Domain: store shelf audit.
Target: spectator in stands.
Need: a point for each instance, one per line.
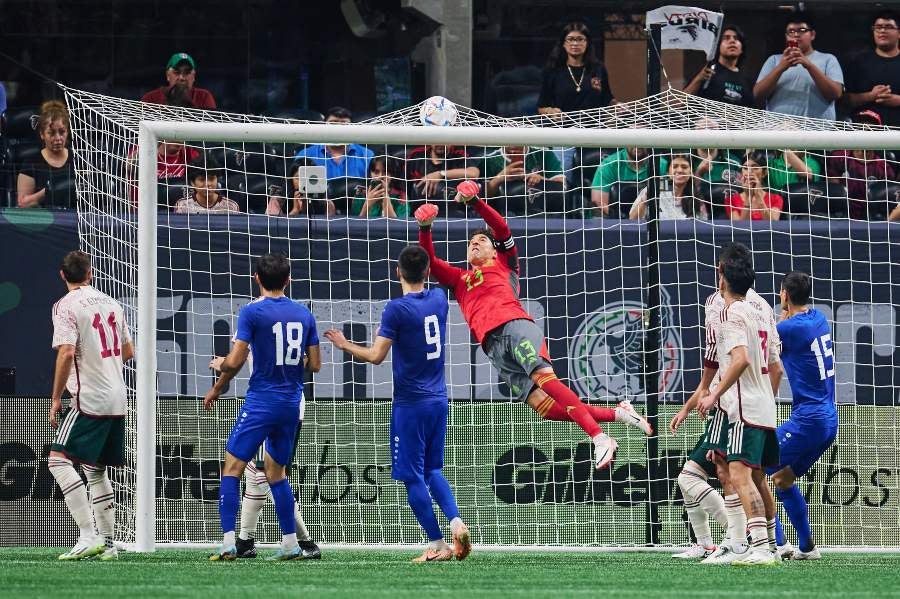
(715, 166)
(181, 72)
(681, 201)
(790, 167)
(431, 170)
(384, 195)
(854, 169)
(204, 196)
(630, 164)
(574, 79)
(339, 160)
(48, 180)
(724, 81)
(531, 169)
(302, 202)
(801, 80)
(873, 81)
(754, 202)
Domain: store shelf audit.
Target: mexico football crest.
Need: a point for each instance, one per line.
(605, 354)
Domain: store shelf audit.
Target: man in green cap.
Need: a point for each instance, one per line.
(181, 72)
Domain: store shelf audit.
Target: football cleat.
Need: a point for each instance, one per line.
(286, 555)
(434, 555)
(757, 557)
(462, 542)
(110, 554)
(725, 554)
(604, 451)
(246, 548)
(785, 551)
(807, 555)
(225, 554)
(695, 551)
(309, 550)
(85, 547)
(626, 413)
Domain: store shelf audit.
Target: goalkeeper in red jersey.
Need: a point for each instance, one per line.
(488, 296)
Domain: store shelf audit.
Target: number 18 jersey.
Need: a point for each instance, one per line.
(416, 324)
(94, 323)
(279, 331)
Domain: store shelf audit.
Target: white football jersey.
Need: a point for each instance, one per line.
(95, 324)
(749, 323)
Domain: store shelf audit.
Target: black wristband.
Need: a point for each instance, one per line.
(425, 227)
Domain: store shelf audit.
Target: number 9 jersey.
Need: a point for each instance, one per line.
(416, 324)
(279, 331)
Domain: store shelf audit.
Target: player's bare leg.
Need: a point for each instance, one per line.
(762, 485)
(229, 490)
(624, 412)
(604, 445)
(736, 534)
(755, 509)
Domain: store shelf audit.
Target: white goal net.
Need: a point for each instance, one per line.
(617, 277)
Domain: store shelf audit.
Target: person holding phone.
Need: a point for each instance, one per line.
(801, 80)
(382, 196)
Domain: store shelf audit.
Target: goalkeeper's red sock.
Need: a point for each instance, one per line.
(551, 410)
(566, 401)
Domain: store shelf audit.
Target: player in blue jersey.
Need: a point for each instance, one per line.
(806, 352)
(416, 325)
(279, 332)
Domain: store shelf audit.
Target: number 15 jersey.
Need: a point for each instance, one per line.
(416, 324)
(94, 323)
(279, 331)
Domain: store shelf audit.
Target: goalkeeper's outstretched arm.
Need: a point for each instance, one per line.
(467, 193)
(446, 274)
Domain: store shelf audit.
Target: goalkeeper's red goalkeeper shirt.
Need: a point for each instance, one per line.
(488, 295)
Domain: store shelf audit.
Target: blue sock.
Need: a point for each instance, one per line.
(420, 501)
(443, 495)
(283, 497)
(779, 531)
(798, 512)
(228, 502)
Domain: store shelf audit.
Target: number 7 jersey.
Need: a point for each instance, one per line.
(94, 323)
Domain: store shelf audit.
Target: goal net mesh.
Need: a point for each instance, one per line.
(591, 249)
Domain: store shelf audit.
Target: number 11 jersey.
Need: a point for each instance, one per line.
(416, 324)
(279, 331)
(94, 323)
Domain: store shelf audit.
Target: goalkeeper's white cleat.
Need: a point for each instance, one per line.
(807, 555)
(604, 450)
(110, 554)
(626, 413)
(757, 557)
(85, 547)
(785, 551)
(695, 551)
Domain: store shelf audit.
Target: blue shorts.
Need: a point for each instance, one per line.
(801, 445)
(275, 425)
(418, 431)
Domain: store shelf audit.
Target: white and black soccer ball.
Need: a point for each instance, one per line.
(438, 111)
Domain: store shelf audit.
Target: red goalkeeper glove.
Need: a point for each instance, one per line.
(425, 214)
(466, 191)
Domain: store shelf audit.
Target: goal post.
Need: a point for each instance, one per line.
(520, 480)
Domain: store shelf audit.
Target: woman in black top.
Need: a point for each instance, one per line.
(48, 180)
(724, 81)
(574, 78)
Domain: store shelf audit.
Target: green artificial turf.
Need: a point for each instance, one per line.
(360, 574)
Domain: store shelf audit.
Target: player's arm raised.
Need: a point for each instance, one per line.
(230, 366)
(445, 274)
(374, 354)
(467, 193)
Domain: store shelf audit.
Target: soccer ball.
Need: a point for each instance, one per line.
(438, 111)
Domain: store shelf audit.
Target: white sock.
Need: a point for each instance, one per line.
(102, 502)
(759, 537)
(701, 501)
(289, 541)
(228, 539)
(737, 522)
(439, 545)
(74, 492)
(256, 489)
(302, 531)
(455, 524)
(771, 530)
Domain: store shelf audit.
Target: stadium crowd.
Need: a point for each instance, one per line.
(391, 181)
